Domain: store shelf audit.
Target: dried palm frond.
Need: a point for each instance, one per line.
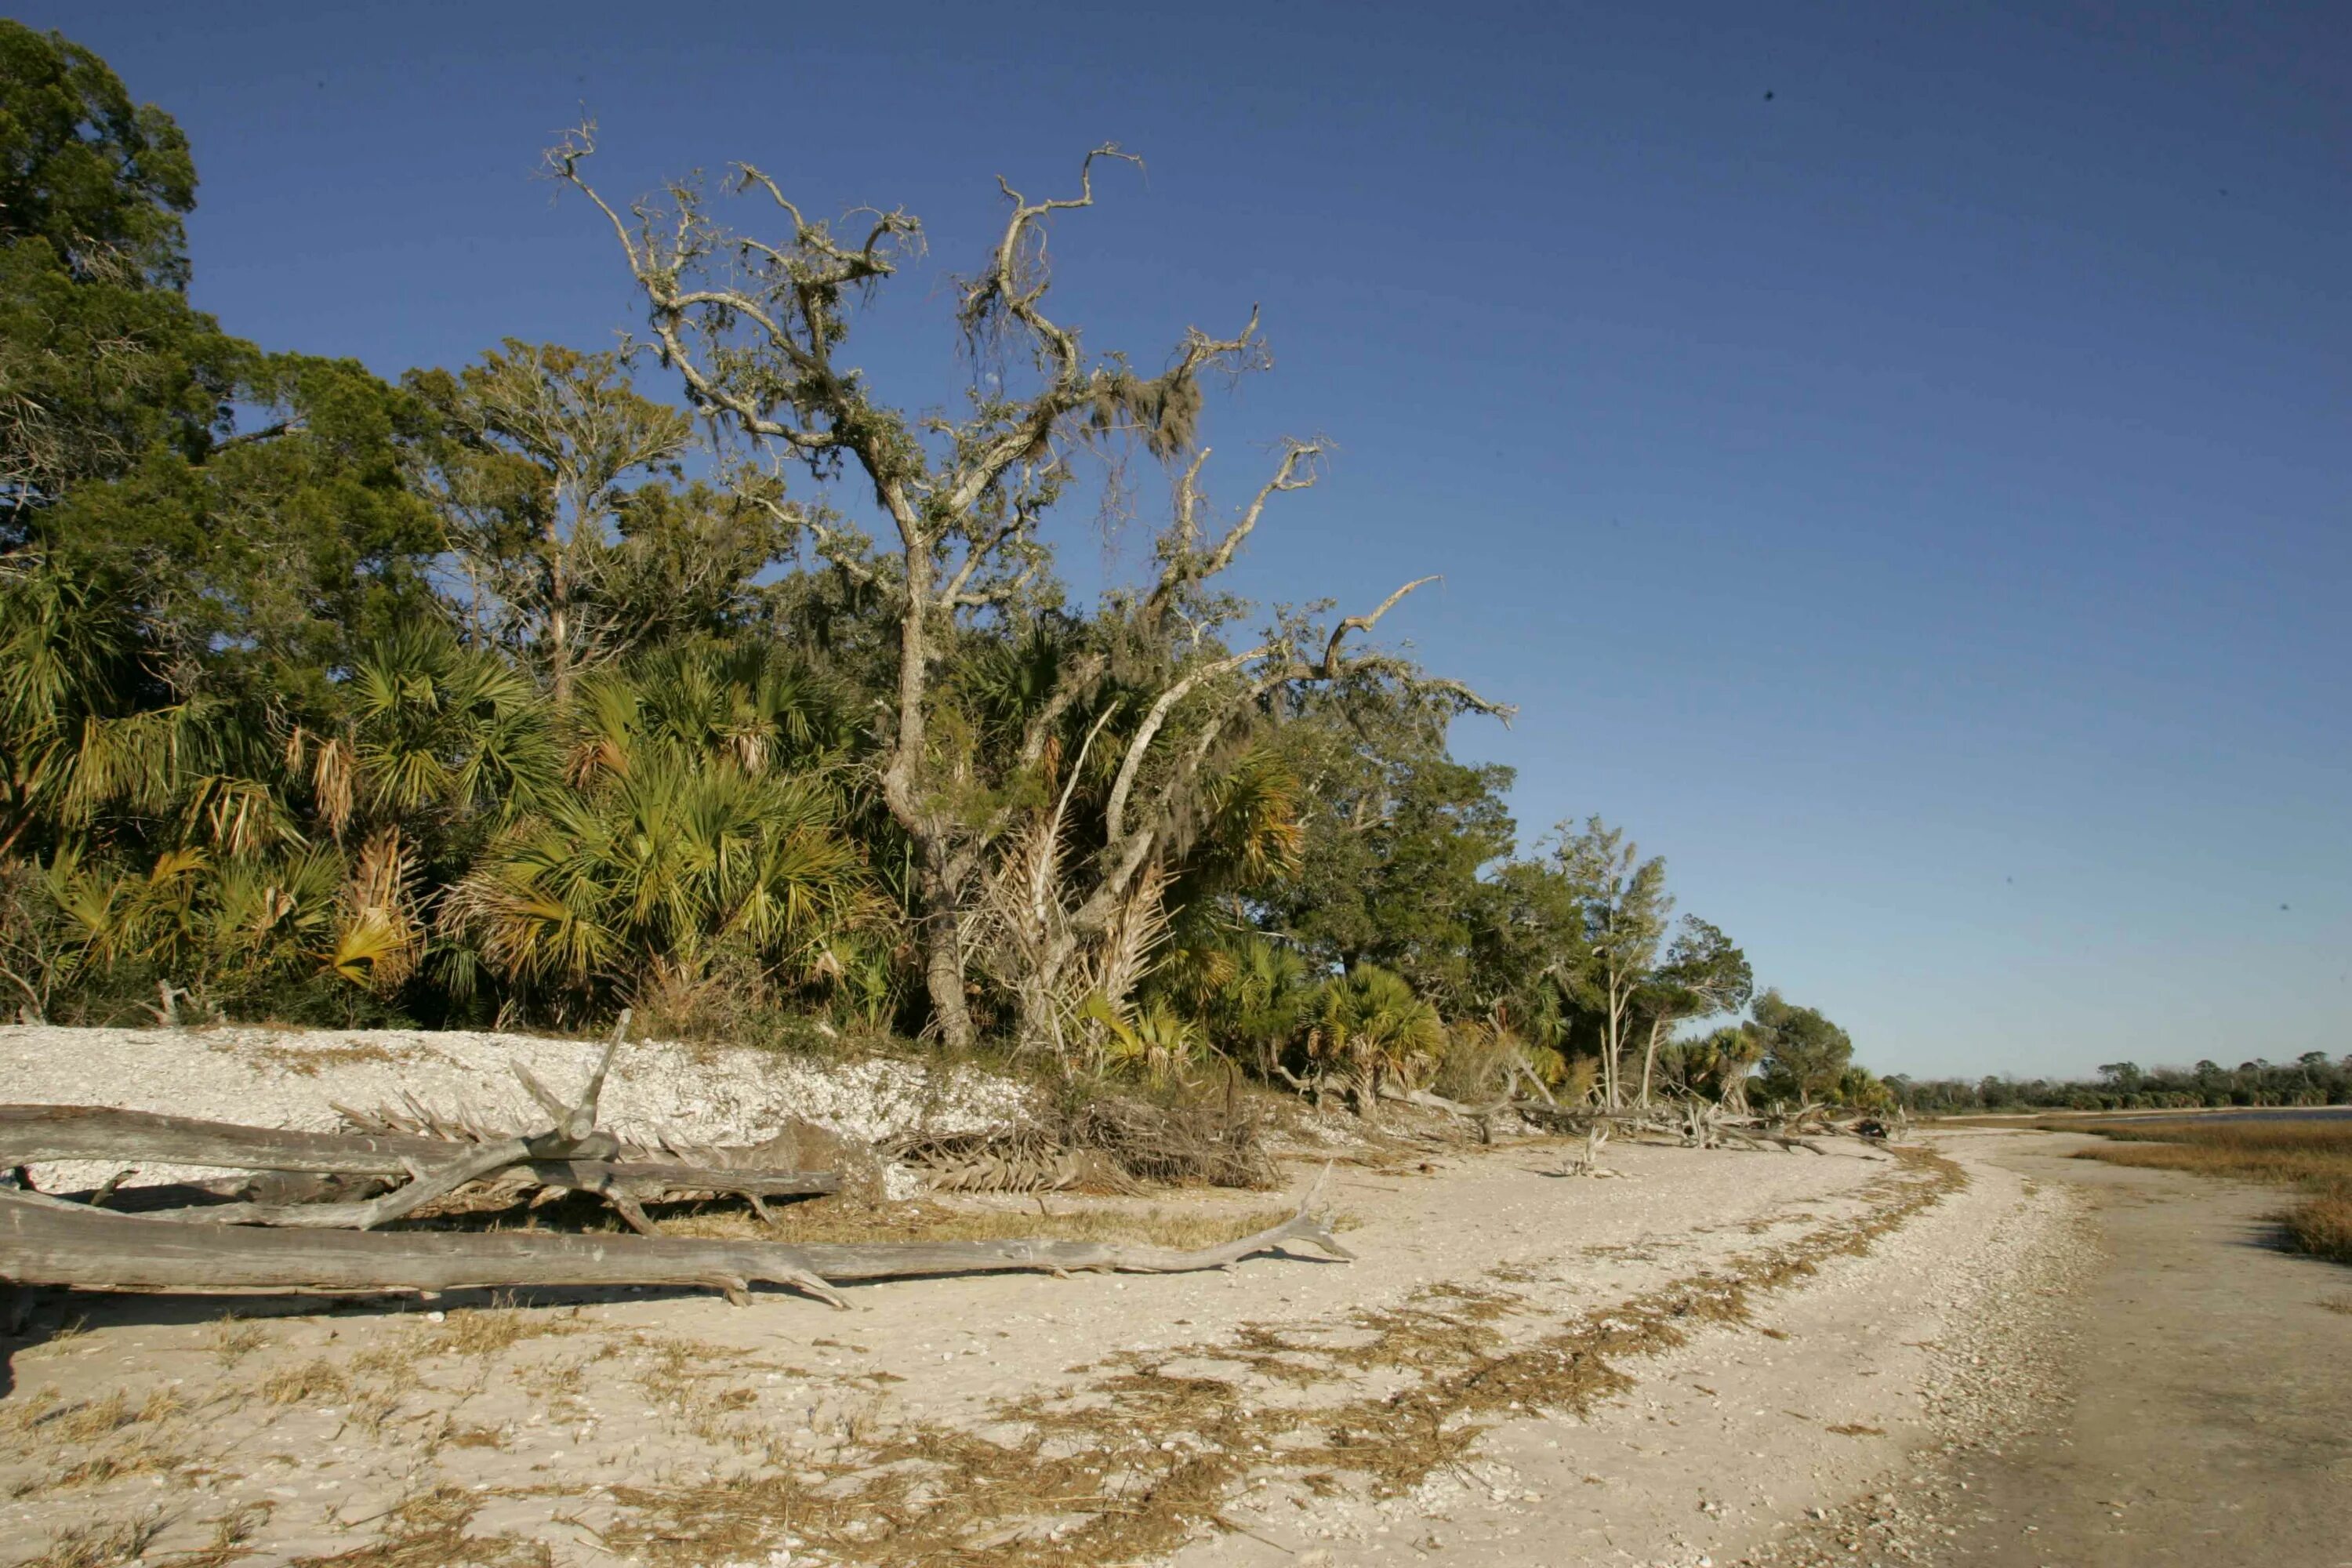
(380, 937)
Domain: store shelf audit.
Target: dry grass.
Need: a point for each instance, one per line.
(306, 1061)
(318, 1379)
(487, 1332)
(108, 1438)
(2340, 1304)
(231, 1530)
(427, 1529)
(2322, 1225)
(2312, 1154)
(100, 1545)
(232, 1339)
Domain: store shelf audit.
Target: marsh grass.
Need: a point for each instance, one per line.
(2314, 1154)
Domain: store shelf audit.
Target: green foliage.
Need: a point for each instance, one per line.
(1396, 837)
(1805, 1056)
(1371, 1025)
(100, 181)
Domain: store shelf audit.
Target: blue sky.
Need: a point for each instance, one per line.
(1896, 456)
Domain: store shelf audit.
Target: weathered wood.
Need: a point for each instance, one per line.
(480, 1160)
(34, 1134)
(45, 1241)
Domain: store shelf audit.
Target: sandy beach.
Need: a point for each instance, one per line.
(1718, 1356)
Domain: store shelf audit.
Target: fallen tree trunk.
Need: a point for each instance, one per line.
(45, 1241)
(35, 1134)
(39, 1134)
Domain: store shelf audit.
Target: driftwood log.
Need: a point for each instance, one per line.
(37, 1134)
(1696, 1124)
(570, 1154)
(47, 1241)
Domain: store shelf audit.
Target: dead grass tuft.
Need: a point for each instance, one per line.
(111, 1437)
(307, 1061)
(231, 1530)
(486, 1332)
(101, 1545)
(427, 1529)
(2340, 1304)
(318, 1379)
(2322, 1225)
(232, 1339)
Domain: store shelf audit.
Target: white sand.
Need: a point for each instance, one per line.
(1719, 1446)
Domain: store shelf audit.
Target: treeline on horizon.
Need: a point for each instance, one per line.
(2311, 1080)
(515, 694)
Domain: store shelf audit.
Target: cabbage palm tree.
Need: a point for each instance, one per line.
(682, 839)
(1373, 1029)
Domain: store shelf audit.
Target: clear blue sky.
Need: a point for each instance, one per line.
(1896, 455)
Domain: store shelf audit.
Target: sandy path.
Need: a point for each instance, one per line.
(2190, 1404)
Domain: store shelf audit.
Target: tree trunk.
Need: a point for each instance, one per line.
(45, 1242)
(1650, 1059)
(943, 972)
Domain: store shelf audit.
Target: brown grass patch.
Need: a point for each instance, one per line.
(2340, 1304)
(319, 1379)
(231, 1339)
(427, 1529)
(121, 1439)
(488, 1330)
(2322, 1225)
(307, 1061)
(2313, 1153)
(99, 1545)
(231, 1530)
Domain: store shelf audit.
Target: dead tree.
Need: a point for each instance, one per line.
(754, 329)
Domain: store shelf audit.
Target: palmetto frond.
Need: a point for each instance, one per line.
(667, 860)
(381, 936)
(1370, 1020)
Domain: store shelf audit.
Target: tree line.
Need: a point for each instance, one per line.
(703, 676)
(2311, 1080)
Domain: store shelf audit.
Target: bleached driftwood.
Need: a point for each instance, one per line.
(572, 1153)
(39, 1134)
(47, 1241)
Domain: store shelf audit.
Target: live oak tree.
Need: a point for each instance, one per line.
(1703, 974)
(1624, 906)
(101, 356)
(1150, 691)
(531, 473)
(1804, 1054)
(1397, 840)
